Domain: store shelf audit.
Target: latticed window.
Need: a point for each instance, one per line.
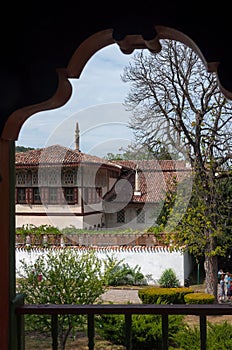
(34, 178)
(21, 178)
(140, 214)
(21, 195)
(53, 177)
(69, 195)
(36, 195)
(121, 216)
(53, 195)
(42, 177)
(92, 195)
(68, 178)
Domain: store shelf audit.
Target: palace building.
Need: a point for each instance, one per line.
(65, 187)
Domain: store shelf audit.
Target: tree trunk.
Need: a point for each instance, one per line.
(211, 279)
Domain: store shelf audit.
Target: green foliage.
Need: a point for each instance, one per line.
(157, 295)
(188, 338)
(180, 294)
(158, 232)
(224, 186)
(134, 151)
(168, 204)
(72, 230)
(67, 278)
(194, 118)
(219, 336)
(205, 225)
(37, 230)
(23, 149)
(146, 330)
(111, 327)
(112, 156)
(168, 279)
(199, 298)
(119, 274)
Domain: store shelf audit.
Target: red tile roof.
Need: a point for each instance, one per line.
(57, 155)
(154, 177)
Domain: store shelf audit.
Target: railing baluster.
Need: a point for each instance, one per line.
(19, 329)
(91, 331)
(128, 324)
(165, 332)
(203, 330)
(54, 332)
(122, 309)
(20, 332)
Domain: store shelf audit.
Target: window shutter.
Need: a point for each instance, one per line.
(76, 195)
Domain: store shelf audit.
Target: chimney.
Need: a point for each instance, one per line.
(77, 138)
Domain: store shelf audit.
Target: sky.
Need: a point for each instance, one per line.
(96, 104)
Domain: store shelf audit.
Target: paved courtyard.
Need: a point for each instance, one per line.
(121, 296)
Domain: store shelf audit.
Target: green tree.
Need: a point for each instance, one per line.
(190, 229)
(23, 149)
(136, 151)
(176, 102)
(62, 277)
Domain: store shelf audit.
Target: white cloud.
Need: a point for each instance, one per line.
(100, 126)
(96, 103)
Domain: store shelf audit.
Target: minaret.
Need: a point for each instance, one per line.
(77, 138)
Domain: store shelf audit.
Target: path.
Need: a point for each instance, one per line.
(121, 296)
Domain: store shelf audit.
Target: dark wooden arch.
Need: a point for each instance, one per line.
(81, 56)
(88, 44)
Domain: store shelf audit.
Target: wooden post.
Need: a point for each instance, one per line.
(7, 246)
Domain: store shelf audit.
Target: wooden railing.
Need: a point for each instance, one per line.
(123, 309)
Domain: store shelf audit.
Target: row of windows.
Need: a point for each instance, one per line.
(50, 177)
(56, 195)
(140, 216)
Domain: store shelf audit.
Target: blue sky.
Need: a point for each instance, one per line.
(96, 104)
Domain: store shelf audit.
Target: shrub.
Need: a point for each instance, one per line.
(121, 274)
(180, 294)
(156, 295)
(188, 338)
(67, 278)
(199, 298)
(168, 279)
(146, 330)
(219, 336)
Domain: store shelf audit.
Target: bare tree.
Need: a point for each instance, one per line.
(177, 103)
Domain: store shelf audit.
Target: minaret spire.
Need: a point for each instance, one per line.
(77, 137)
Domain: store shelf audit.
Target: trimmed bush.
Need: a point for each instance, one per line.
(180, 294)
(199, 298)
(157, 295)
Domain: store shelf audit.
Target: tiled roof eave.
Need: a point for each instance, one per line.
(69, 165)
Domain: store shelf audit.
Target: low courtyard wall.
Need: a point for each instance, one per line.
(152, 260)
(89, 239)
